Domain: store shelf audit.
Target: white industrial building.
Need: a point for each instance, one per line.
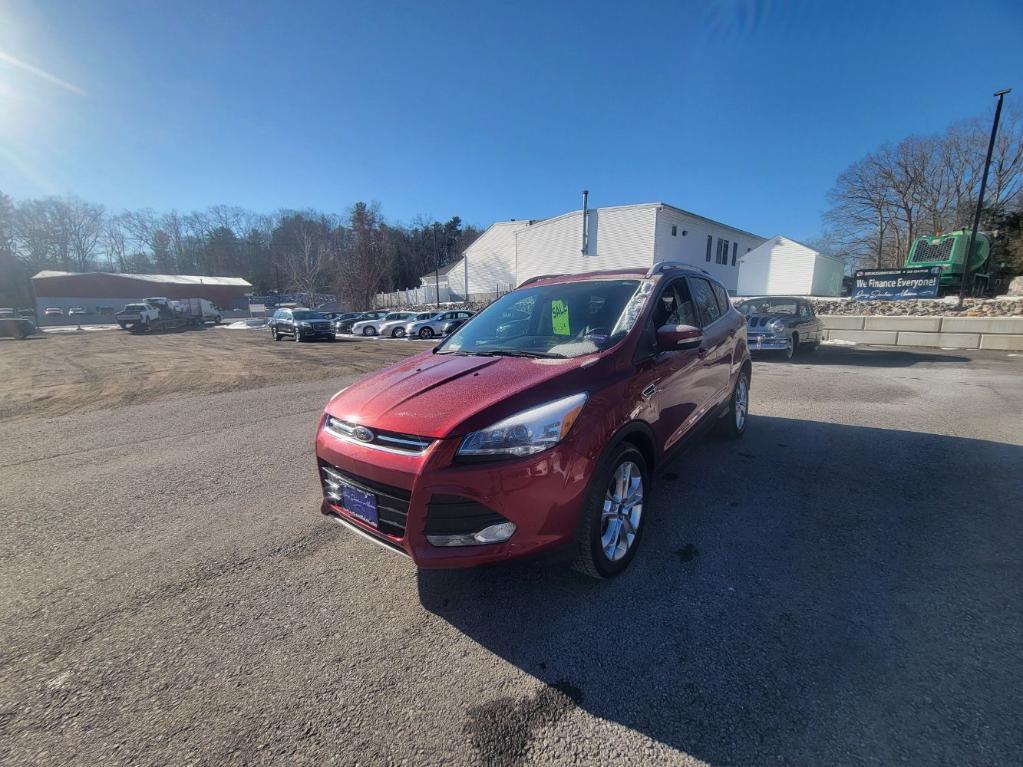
(781, 266)
(510, 252)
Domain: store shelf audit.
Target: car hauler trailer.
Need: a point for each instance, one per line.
(159, 314)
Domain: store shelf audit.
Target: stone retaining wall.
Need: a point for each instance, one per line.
(958, 332)
(1003, 306)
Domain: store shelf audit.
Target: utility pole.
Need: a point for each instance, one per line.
(436, 272)
(1000, 95)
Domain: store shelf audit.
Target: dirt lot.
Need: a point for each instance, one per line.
(62, 373)
(843, 586)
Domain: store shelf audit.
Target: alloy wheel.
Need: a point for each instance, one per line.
(623, 509)
(741, 402)
(426, 333)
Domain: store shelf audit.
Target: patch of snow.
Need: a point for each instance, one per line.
(837, 342)
(254, 323)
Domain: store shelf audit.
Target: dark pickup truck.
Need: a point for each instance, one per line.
(17, 327)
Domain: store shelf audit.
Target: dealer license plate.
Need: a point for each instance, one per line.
(359, 503)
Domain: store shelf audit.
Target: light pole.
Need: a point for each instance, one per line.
(436, 272)
(1000, 95)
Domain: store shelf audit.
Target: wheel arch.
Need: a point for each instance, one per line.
(639, 435)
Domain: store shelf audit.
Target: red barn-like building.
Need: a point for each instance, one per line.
(103, 293)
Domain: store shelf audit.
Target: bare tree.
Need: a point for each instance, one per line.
(922, 186)
(303, 242)
(861, 212)
(115, 244)
(365, 261)
(83, 224)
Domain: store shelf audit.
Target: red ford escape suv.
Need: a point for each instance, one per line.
(537, 425)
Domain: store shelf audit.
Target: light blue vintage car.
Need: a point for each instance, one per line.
(781, 323)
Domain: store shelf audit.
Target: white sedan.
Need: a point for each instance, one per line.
(375, 327)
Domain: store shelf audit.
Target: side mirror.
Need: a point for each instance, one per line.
(673, 338)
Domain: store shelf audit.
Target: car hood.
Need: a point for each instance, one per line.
(763, 320)
(447, 395)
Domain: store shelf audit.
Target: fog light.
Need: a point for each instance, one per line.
(492, 534)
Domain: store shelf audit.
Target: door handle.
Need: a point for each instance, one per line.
(649, 391)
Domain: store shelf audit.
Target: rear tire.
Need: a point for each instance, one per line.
(370, 331)
(733, 425)
(398, 333)
(598, 523)
(426, 333)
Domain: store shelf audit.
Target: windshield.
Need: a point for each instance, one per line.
(561, 320)
(308, 316)
(768, 306)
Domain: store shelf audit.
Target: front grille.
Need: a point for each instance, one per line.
(384, 440)
(392, 502)
(454, 515)
(928, 252)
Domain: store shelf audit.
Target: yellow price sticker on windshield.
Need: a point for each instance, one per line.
(559, 318)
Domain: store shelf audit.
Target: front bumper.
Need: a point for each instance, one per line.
(766, 343)
(542, 495)
(316, 332)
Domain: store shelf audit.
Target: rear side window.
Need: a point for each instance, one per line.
(703, 297)
(722, 297)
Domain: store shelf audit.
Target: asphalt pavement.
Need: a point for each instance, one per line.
(842, 586)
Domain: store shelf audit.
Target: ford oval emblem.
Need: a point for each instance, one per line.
(362, 434)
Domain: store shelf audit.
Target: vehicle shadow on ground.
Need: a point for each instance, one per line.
(813, 594)
(861, 357)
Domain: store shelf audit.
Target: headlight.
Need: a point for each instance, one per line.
(531, 431)
(777, 326)
(304, 325)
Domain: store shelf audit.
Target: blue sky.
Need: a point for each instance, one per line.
(741, 111)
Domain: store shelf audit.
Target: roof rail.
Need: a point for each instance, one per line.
(662, 266)
(531, 280)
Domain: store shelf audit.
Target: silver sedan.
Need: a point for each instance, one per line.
(433, 325)
(396, 328)
(375, 327)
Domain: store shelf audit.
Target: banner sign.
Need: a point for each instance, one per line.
(896, 284)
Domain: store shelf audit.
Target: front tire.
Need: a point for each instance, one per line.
(612, 518)
(298, 337)
(398, 333)
(370, 331)
(793, 346)
(426, 333)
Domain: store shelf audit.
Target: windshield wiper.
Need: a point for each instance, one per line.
(519, 353)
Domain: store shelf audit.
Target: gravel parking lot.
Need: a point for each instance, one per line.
(843, 586)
